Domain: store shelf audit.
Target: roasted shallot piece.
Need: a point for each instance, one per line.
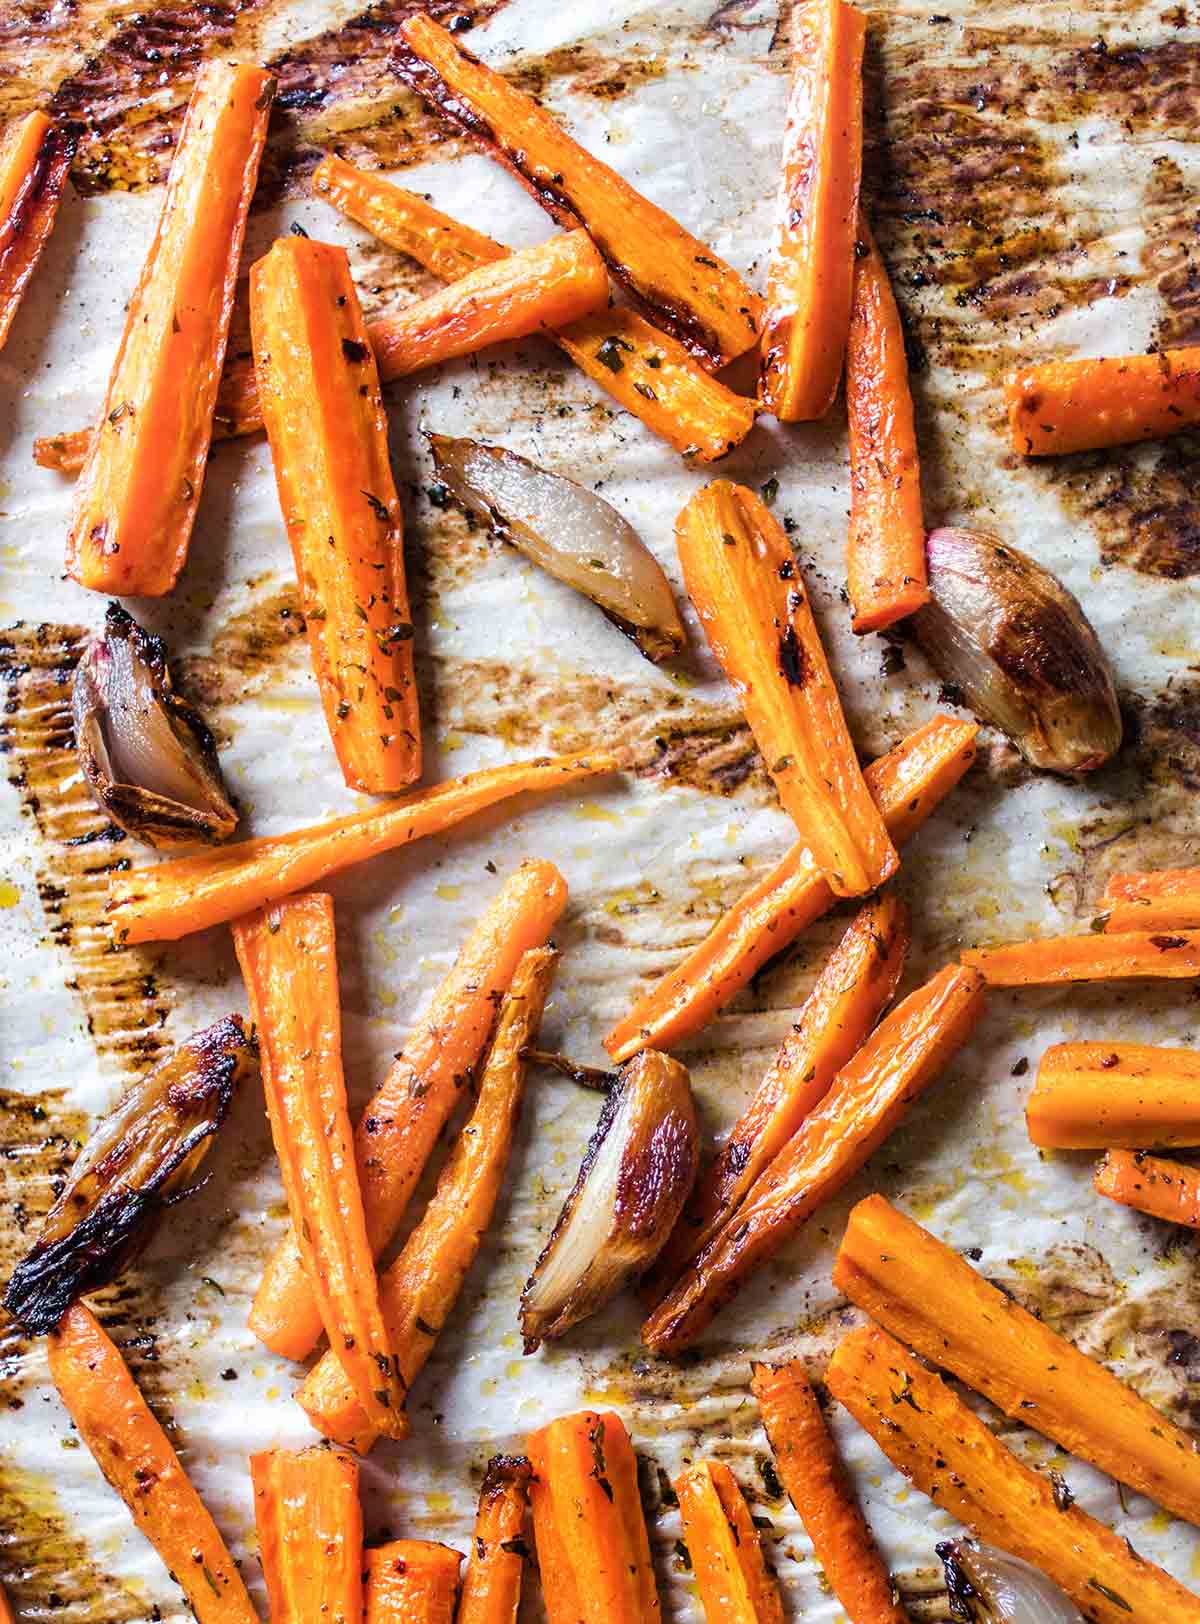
(988, 1587)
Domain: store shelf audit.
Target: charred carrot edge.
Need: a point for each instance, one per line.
(288, 958)
(681, 283)
(419, 1290)
(492, 1589)
(746, 587)
(327, 429)
(140, 485)
(923, 1292)
(906, 785)
(1162, 899)
(411, 1581)
(34, 163)
(869, 1097)
(586, 1465)
(812, 262)
(943, 1447)
(817, 1486)
(1125, 1096)
(309, 1534)
(1064, 406)
(403, 1119)
(133, 1453)
(1152, 1184)
(1107, 956)
(170, 900)
(724, 1548)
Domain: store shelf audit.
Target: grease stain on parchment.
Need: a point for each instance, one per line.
(46, 1568)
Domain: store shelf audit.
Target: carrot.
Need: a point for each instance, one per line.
(319, 389)
(135, 1457)
(592, 1545)
(1162, 899)
(140, 485)
(1113, 956)
(170, 900)
(724, 1548)
(868, 1099)
(288, 959)
(644, 370)
(816, 1483)
(740, 574)
(811, 270)
(1161, 1188)
(404, 1117)
(906, 785)
(419, 1290)
(492, 1589)
(681, 283)
(1064, 406)
(309, 1535)
(1092, 1096)
(940, 1445)
(411, 1581)
(6, 1612)
(925, 1293)
(35, 160)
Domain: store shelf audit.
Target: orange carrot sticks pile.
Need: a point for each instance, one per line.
(1110, 956)
(35, 159)
(724, 1548)
(1163, 899)
(1152, 1184)
(492, 1588)
(309, 1535)
(1064, 406)
(1097, 1096)
(411, 1581)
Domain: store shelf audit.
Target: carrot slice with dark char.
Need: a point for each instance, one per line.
(496, 1566)
(724, 1548)
(35, 160)
(1102, 956)
(1158, 1187)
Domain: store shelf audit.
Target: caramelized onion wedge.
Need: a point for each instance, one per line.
(150, 760)
(570, 532)
(1016, 642)
(990, 1587)
(140, 1157)
(637, 1172)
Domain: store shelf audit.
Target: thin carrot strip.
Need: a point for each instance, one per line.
(309, 1535)
(325, 421)
(681, 283)
(492, 1588)
(1064, 406)
(1152, 1184)
(1109, 956)
(869, 1097)
(6, 1612)
(404, 1118)
(724, 1548)
(1097, 1096)
(740, 574)
(419, 1290)
(1162, 899)
(35, 160)
(948, 1452)
(140, 485)
(170, 900)
(411, 1581)
(133, 1453)
(812, 263)
(817, 1486)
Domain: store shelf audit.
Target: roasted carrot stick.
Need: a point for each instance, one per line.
(309, 1535)
(411, 1582)
(6, 1612)
(1093, 1096)
(135, 1457)
(1065, 406)
(740, 574)
(140, 486)
(1111, 956)
(1163, 899)
(173, 899)
(419, 1290)
(812, 263)
(588, 1520)
(943, 1447)
(288, 958)
(492, 1589)
(1152, 1184)
(35, 159)
(925, 1293)
(868, 1098)
(816, 1483)
(319, 389)
(402, 1120)
(725, 1552)
(906, 785)
(681, 282)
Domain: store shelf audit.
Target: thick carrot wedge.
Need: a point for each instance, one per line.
(492, 1588)
(406, 1114)
(740, 574)
(1163, 899)
(812, 264)
(868, 1099)
(906, 785)
(725, 1551)
(925, 1293)
(1111, 956)
(1152, 1184)
(588, 1520)
(816, 1483)
(421, 1287)
(943, 1447)
(35, 159)
(173, 899)
(1093, 1096)
(309, 1535)
(411, 1582)
(681, 283)
(140, 486)
(132, 1451)
(1066, 406)
(319, 389)
(288, 958)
